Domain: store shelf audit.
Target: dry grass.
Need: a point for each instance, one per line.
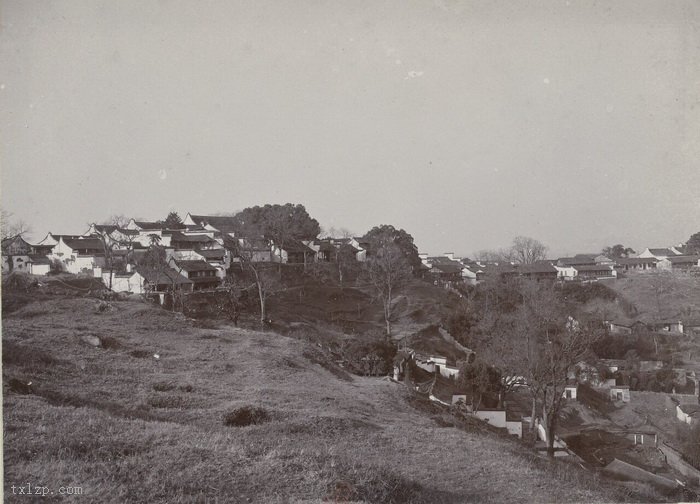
(662, 294)
(130, 429)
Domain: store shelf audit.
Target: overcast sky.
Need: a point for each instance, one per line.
(464, 122)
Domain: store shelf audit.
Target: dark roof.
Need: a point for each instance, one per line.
(690, 408)
(225, 224)
(212, 254)
(295, 246)
(150, 226)
(636, 260)
(528, 269)
(596, 267)
(8, 241)
(680, 259)
(325, 246)
(448, 268)
(39, 259)
(167, 276)
(179, 237)
(575, 261)
(197, 265)
(209, 279)
(85, 243)
(662, 251)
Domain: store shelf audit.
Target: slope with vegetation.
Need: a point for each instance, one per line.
(137, 404)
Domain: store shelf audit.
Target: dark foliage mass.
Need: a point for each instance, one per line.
(385, 234)
(277, 222)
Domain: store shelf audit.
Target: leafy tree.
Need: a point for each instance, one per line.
(693, 243)
(387, 271)
(381, 236)
(173, 221)
(277, 222)
(617, 251)
(527, 250)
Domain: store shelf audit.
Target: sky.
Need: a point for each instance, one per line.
(466, 123)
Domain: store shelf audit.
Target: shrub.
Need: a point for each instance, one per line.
(246, 415)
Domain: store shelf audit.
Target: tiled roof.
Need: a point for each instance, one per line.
(597, 267)
(85, 243)
(197, 265)
(212, 254)
(575, 261)
(682, 259)
(528, 269)
(179, 237)
(222, 223)
(166, 276)
(622, 261)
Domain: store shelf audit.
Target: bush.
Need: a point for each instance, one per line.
(246, 415)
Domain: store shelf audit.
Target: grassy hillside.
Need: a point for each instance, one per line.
(660, 295)
(163, 411)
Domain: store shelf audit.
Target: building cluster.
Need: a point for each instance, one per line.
(448, 269)
(197, 253)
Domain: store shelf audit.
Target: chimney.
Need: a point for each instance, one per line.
(450, 255)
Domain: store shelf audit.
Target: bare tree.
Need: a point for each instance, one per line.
(265, 280)
(528, 250)
(493, 255)
(11, 227)
(388, 271)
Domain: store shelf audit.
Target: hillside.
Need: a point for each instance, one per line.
(660, 295)
(164, 411)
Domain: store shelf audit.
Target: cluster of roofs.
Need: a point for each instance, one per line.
(195, 253)
(447, 268)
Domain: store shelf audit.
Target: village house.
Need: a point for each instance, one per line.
(635, 263)
(620, 393)
(163, 280)
(81, 255)
(658, 253)
(688, 413)
(39, 265)
(571, 390)
(15, 254)
(625, 326)
(578, 260)
(593, 273)
(293, 252)
(128, 281)
(679, 263)
(538, 271)
(222, 226)
(202, 274)
(444, 270)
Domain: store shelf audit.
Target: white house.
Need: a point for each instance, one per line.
(82, 255)
(39, 265)
(131, 281)
(620, 393)
(658, 253)
(688, 413)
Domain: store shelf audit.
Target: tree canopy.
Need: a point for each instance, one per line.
(380, 236)
(173, 221)
(693, 243)
(617, 251)
(277, 222)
